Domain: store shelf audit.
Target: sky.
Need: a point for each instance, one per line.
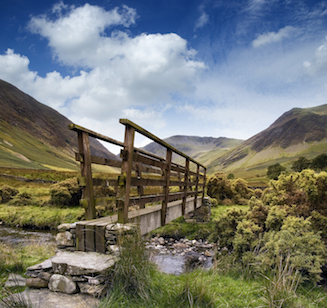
(174, 67)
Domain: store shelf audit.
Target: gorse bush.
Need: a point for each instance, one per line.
(228, 191)
(65, 193)
(7, 193)
(286, 228)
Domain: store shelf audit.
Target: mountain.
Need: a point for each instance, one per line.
(36, 136)
(203, 149)
(298, 132)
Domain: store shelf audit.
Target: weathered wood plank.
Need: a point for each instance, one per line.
(86, 172)
(100, 160)
(80, 238)
(166, 187)
(156, 139)
(100, 240)
(93, 134)
(186, 181)
(148, 161)
(126, 171)
(89, 238)
(196, 187)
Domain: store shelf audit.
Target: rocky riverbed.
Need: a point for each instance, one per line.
(177, 256)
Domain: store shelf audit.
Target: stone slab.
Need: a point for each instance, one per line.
(82, 263)
(48, 299)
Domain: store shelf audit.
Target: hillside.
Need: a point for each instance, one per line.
(203, 149)
(36, 136)
(298, 132)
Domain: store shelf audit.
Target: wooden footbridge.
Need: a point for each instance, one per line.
(180, 187)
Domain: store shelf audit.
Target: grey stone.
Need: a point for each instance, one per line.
(82, 263)
(36, 283)
(63, 284)
(93, 290)
(65, 239)
(45, 298)
(64, 227)
(15, 280)
(45, 276)
(46, 265)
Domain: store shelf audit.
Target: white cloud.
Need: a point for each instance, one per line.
(202, 20)
(318, 65)
(120, 75)
(273, 37)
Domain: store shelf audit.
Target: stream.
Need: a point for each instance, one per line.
(168, 259)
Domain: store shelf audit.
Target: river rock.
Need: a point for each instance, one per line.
(64, 239)
(15, 280)
(93, 290)
(45, 276)
(207, 253)
(63, 284)
(82, 263)
(36, 283)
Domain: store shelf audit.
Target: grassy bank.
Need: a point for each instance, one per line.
(39, 217)
(15, 259)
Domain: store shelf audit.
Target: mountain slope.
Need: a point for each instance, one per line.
(34, 135)
(297, 132)
(203, 149)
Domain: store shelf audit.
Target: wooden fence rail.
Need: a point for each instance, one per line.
(139, 170)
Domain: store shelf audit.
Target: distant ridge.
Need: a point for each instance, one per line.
(297, 132)
(34, 135)
(195, 147)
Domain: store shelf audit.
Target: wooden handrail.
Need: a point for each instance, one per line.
(154, 138)
(140, 161)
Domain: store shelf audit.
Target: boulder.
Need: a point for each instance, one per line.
(37, 283)
(63, 284)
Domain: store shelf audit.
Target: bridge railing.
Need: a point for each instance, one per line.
(139, 170)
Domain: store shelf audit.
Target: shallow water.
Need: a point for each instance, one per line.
(167, 263)
(171, 264)
(19, 236)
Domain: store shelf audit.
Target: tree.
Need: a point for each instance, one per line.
(274, 171)
(320, 162)
(301, 164)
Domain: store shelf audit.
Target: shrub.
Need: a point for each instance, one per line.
(274, 171)
(226, 227)
(222, 188)
(296, 241)
(301, 164)
(23, 199)
(219, 187)
(65, 193)
(7, 193)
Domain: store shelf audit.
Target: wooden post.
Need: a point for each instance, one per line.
(126, 173)
(204, 182)
(86, 172)
(186, 179)
(140, 189)
(166, 187)
(196, 186)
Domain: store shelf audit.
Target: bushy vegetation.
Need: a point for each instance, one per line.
(65, 193)
(228, 191)
(283, 234)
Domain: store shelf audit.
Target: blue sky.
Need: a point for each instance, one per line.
(181, 67)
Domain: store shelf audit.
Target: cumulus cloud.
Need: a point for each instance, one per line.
(273, 37)
(117, 75)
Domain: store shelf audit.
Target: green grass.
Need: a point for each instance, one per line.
(16, 259)
(40, 217)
